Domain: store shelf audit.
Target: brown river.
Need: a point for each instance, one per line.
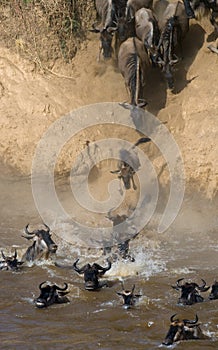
(96, 320)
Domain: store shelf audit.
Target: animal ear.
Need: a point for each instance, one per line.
(126, 105)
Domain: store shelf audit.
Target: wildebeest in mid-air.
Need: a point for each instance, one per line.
(128, 164)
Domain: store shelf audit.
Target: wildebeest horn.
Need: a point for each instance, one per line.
(64, 288)
(15, 254)
(48, 228)
(192, 321)
(133, 288)
(177, 282)
(172, 318)
(30, 235)
(40, 286)
(75, 266)
(203, 288)
(3, 255)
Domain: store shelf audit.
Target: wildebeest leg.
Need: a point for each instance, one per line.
(188, 9)
(133, 183)
(100, 51)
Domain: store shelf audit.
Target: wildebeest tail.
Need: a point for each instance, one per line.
(142, 140)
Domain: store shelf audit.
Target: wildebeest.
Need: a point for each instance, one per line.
(183, 330)
(129, 164)
(174, 25)
(203, 8)
(133, 60)
(10, 262)
(128, 296)
(190, 292)
(51, 294)
(106, 12)
(92, 273)
(214, 291)
(134, 5)
(123, 245)
(147, 30)
(42, 246)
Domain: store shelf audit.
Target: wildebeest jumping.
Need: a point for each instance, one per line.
(10, 262)
(128, 296)
(43, 245)
(51, 294)
(92, 273)
(183, 330)
(190, 292)
(123, 242)
(129, 164)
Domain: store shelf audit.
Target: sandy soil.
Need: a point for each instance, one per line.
(31, 102)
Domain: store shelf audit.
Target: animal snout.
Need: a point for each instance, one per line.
(40, 303)
(53, 248)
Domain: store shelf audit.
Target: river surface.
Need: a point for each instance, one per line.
(96, 320)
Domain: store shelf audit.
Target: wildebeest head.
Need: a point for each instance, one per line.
(128, 296)
(214, 291)
(43, 244)
(190, 292)
(92, 273)
(106, 37)
(50, 294)
(182, 330)
(166, 57)
(10, 262)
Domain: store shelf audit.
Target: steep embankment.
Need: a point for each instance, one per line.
(30, 102)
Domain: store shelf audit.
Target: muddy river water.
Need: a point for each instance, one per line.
(96, 320)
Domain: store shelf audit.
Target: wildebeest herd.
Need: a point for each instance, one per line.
(146, 33)
(44, 247)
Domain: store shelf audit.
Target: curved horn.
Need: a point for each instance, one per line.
(26, 230)
(64, 288)
(3, 255)
(75, 266)
(177, 282)
(172, 318)
(40, 286)
(203, 288)
(192, 321)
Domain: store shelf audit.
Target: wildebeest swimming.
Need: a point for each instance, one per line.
(51, 294)
(214, 291)
(190, 292)
(128, 296)
(43, 245)
(10, 262)
(92, 273)
(183, 330)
